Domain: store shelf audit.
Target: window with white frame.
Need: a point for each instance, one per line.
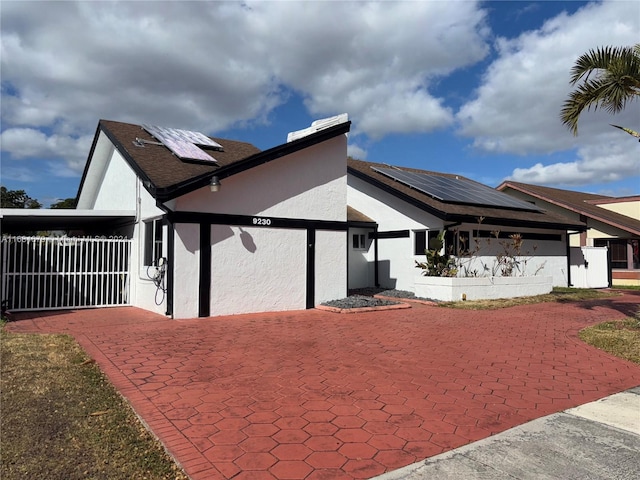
(359, 241)
(152, 241)
(421, 239)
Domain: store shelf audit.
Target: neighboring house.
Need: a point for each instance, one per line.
(220, 226)
(611, 222)
(395, 211)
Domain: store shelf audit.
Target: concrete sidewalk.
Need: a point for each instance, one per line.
(598, 440)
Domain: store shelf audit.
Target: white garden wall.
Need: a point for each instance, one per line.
(450, 289)
(539, 257)
(396, 257)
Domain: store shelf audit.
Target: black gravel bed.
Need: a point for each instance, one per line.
(371, 291)
(359, 301)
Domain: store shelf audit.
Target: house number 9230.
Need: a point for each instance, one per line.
(261, 221)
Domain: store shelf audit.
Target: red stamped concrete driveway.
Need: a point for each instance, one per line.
(317, 395)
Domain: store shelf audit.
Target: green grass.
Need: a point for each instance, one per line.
(627, 287)
(559, 294)
(620, 338)
(62, 419)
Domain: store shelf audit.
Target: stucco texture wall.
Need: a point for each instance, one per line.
(395, 255)
(186, 270)
(310, 184)
(331, 251)
(257, 269)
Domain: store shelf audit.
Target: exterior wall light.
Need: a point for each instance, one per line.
(215, 184)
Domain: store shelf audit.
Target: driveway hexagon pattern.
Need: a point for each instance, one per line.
(315, 395)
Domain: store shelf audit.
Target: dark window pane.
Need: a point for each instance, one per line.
(420, 243)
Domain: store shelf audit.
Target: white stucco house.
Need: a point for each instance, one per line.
(221, 227)
(215, 226)
(403, 213)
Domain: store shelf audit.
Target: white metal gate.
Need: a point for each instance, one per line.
(46, 273)
(589, 267)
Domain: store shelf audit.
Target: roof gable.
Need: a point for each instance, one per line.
(166, 176)
(585, 204)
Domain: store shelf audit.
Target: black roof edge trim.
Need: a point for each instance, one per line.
(86, 165)
(254, 160)
(496, 221)
(357, 224)
(146, 181)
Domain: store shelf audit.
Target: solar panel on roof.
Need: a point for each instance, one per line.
(184, 143)
(455, 190)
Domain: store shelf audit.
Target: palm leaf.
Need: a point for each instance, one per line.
(610, 78)
(633, 133)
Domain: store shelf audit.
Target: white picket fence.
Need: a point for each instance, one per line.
(47, 273)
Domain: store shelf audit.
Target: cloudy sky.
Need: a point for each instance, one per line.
(466, 87)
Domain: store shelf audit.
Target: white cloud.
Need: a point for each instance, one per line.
(610, 161)
(376, 60)
(212, 65)
(517, 106)
(24, 143)
(356, 151)
(209, 66)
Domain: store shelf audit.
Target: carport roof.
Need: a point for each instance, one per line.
(17, 220)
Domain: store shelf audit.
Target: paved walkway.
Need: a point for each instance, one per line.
(596, 441)
(317, 395)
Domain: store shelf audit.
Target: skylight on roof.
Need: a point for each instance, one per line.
(184, 143)
(456, 190)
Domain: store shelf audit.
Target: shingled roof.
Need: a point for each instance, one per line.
(166, 176)
(578, 202)
(456, 212)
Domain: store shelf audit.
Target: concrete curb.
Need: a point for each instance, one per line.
(407, 300)
(397, 306)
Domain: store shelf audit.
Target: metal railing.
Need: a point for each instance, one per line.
(46, 273)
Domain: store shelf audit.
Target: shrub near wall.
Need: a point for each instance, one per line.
(439, 280)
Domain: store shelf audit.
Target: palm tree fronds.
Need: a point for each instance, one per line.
(610, 78)
(633, 133)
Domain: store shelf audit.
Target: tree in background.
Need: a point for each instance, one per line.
(66, 203)
(610, 78)
(17, 199)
